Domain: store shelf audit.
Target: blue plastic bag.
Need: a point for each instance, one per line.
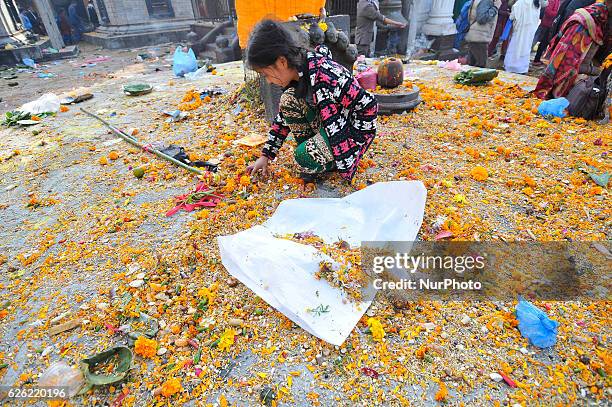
(29, 62)
(184, 62)
(535, 325)
(554, 107)
(507, 29)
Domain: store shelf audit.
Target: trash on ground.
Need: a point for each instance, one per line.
(480, 76)
(184, 61)
(47, 103)
(66, 326)
(384, 211)
(29, 62)
(554, 107)
(535, 325)
(175, 115)
(78, 99)
(252, 140)
(108, 367)
(453, 65)
(202, 197)
(137, 89)
(60, 374)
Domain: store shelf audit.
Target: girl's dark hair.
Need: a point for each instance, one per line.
(270, 40)
(536, 3)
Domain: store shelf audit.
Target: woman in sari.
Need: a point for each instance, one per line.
(566, 52)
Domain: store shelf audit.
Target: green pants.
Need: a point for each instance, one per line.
(313, 152)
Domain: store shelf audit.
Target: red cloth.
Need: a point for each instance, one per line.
(550, 13)
(207, 201)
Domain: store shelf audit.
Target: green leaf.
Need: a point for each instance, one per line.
(601, 180)
(92, 379)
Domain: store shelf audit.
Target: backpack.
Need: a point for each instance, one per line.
(485, 12)
(586, 98)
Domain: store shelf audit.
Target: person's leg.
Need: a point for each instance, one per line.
(363, 49)
(499, 29)
(477, 55)
(544, 40)
(315, 154)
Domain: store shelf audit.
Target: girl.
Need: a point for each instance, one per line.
(332, 118)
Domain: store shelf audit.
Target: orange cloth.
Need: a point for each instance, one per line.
(250, 12)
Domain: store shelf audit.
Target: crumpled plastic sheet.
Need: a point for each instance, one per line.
(281, 271)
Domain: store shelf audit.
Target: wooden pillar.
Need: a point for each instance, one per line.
(48, 17)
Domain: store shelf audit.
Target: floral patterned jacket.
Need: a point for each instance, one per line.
(347, 113)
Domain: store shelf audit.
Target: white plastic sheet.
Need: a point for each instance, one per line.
(281, 271)
(49, 102)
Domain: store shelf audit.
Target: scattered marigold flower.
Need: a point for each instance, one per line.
(64, 108)
(113, 155)
(479, 173)
(442, 392)
(527, 191)
(171, 387)
(460, 199)
(245, 180)
(103, 161)
(378, 333)
(226, 340)
(145, 347)
(529, 181)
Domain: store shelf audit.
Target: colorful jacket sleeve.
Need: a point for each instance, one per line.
(348, 114)
(277, 136)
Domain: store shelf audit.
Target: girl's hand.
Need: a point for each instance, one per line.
(260, 164)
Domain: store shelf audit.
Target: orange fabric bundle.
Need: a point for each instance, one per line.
(250, 12)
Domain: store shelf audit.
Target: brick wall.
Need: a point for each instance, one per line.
(131, 12)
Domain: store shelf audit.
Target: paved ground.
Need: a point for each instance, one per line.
(79, 229)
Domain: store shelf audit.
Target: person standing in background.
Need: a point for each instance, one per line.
(482, 17)
(525, 18)
(367, 15)
(463, 24)
(75, 21)
(503, 15)
(64, 26)
(25, 21)
(545, 28)
(91, 12)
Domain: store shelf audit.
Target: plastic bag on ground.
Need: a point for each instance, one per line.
(281, 271)
(367, 79)
(535, 325)
(59, 374)
(453, 65)
(200, 73)
(48, 102)
(554, 107)
(184, 62)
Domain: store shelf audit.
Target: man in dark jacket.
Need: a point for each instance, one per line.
(367, 15)
(566, 9)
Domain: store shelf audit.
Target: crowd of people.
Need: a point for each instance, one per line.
(572, 37)
(70, 21)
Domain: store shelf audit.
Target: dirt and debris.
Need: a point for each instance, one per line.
(84, 239)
